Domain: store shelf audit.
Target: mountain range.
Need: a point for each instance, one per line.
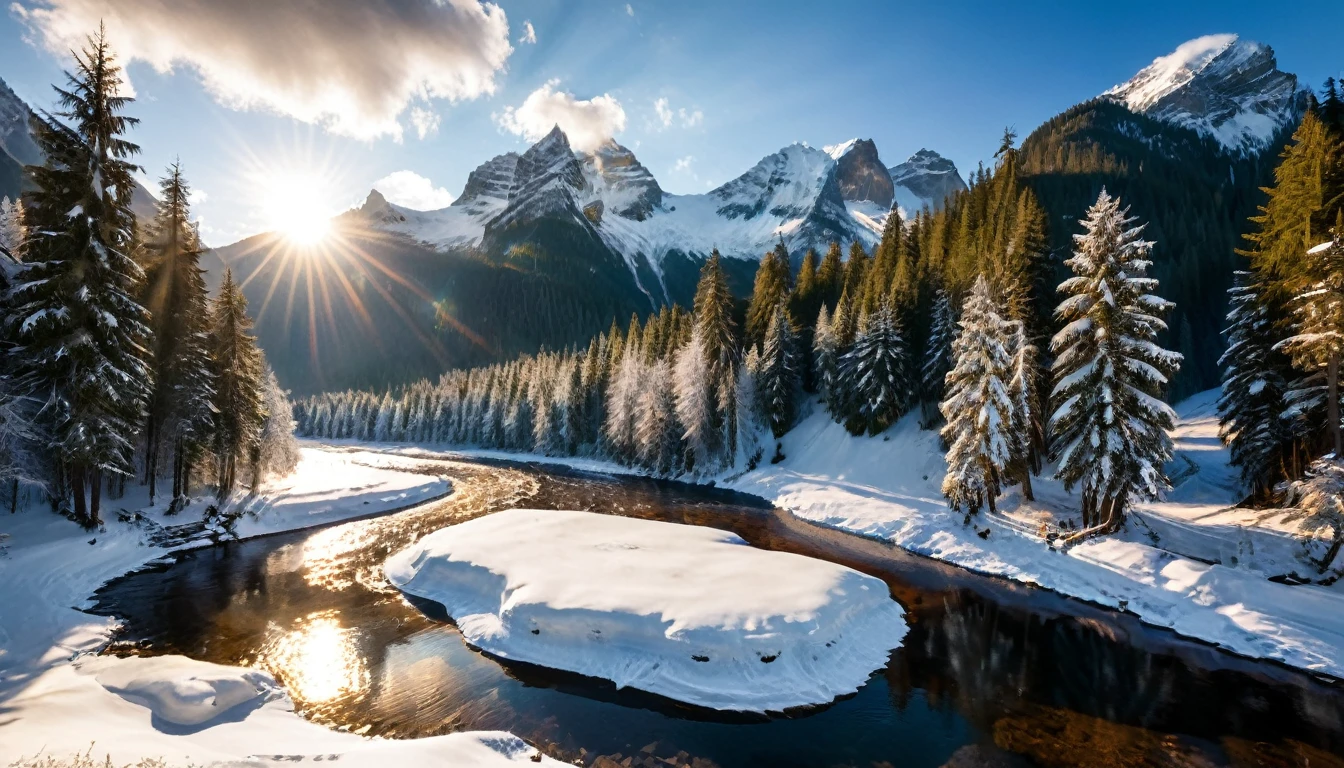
(548, 246)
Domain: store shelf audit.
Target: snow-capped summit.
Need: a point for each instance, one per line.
(546, 180)
(487, 188)
(15, 139)
(926, 178)
(621, 182)
(1220, 85)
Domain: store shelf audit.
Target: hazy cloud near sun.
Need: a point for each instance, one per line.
(414, 191)
(587, 122)
(354, 67)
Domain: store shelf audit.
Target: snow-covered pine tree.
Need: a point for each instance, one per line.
(237, 375)
(877, 371)
(777, 380)
(1110, 425)
(937, 357)
(1319, 499)
(718, 334)
(1319, 341)
(840, 402)
(1252, 405)
(174, 292)
(691, 386)
(825, 356)
(656, 424)
(750, 424)
(978, 406)
(623, 406)
(80, 333)
(277, 451)
(1027, 426)
(11, 228)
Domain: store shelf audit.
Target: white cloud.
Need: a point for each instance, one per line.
(353, 67)
(426, 121)
(664, 112)
(684, 163)
(587, 122)
(410, 189)
(529, 33)
(197, 196)
(665, 115)
(629, 10)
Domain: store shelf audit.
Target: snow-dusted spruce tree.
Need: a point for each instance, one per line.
(1022, 389)
(844, 328)
(750, 424)
(277, 452)
(1109, 424)
(656, 425)
(978, 406)
(1319, 320)
(878, 373)
(937, 357)
(1319, 499)
(19, 462)
(695, 409)
(623, 405)
(79, 332)
(777, 379)
(238, 369)
(1252, 406)
(718, 334)
(825, 356)
(179, 418)
(11, 228)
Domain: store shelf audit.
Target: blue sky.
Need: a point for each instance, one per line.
(739, 80)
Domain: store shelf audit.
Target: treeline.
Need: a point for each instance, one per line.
(872, 336)
(1280, 404)
(117, 363)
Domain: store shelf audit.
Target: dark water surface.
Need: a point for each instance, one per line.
(991, 673)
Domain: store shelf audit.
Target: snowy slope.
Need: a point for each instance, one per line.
(925, 179)
(1221, 86)
(683, 611)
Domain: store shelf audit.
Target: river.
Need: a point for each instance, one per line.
(991, 673)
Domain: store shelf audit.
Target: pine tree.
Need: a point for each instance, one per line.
(656, 426)
(772, 287)
(746, 413)
(1319, 501)
(878, 373)
(238, 370)
(175, 295)
(1319, 341)
(717, 331)
(1252, 405)
(825, 355)
(831, 276)
(1110, 425)
(937, 356)
(1028, 429)
(80, 333)
(978, 407)
(777, 381)
(12, 230)
(277, 451)
(695, 404)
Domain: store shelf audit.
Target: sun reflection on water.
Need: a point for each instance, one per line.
(318, 661)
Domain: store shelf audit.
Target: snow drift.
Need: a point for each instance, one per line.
(687, 612)
(185, 691)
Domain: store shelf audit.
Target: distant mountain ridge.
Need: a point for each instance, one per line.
(1221, 86)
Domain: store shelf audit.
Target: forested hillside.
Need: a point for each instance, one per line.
(1197, 198)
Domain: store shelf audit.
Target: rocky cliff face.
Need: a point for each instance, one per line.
(1221, 86)
(487, 188)
(860, 173)
(621, 183)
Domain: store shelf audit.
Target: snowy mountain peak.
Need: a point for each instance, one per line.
(926, 178)
(15, 139)
(621, 182)
(837, 151)
(860, 173)
(1221, 86)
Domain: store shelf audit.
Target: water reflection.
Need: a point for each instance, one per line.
(318, 661)
(988, 670)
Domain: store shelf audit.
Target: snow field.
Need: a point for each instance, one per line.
(691, 613)
(59, 698)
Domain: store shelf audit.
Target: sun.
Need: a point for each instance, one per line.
(297, 204)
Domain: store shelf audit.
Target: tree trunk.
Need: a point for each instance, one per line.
(1332, 406)
(77, 489)
(95, 483)
(1026, 485)
(14, 496)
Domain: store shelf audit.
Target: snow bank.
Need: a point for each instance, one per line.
(58, 698)
(182, 690)
(687, 612)
(887, 487)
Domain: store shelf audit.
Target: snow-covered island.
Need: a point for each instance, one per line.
(686, 612)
